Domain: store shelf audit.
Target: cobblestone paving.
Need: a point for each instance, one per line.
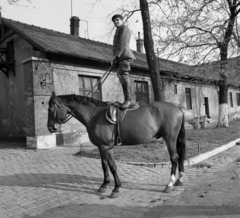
(55, 183)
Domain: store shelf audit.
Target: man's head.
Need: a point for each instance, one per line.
(117, 19)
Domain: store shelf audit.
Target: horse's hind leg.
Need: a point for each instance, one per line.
(106, 179)
(181, 148)
(179, 181)
(171, 144)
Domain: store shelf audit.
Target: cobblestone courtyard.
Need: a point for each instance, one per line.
(55, 183)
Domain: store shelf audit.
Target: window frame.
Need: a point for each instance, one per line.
(10, 54)
(84, 91)
(139, 93)
(175, 89)
(231, 99)
(188, 94)
(238, 98)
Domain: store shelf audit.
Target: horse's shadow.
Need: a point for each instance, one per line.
(85, 210)
(64, 182)
(69, 182)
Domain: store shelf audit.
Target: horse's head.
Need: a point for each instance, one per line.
(57, 114)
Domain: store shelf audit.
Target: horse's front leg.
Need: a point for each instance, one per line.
(108, 154)
(106, 180)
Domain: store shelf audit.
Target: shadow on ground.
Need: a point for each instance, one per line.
(71, 182)
(101, 210)
(192, 211)
(90, 211)
(64, 182)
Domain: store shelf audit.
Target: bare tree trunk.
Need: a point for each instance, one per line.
(223, 87)
(223, 103)
(151, 57)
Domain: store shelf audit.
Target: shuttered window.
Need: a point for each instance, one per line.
(141, 92)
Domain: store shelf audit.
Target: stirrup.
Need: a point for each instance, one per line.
(119, 141)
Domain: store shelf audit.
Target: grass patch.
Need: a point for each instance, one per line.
(202, 165)
(197, 141)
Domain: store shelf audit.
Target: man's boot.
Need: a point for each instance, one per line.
(126, 85)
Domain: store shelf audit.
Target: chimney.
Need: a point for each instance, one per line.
(139, 44)
(74, 26)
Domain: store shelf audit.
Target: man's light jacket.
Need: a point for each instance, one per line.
(121, 41)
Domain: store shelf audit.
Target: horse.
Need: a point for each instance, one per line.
(149, 121)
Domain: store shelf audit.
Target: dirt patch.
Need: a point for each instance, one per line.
(197, 142)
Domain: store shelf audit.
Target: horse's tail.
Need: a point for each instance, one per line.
(181, 144)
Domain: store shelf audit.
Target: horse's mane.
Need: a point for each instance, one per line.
(81, 99)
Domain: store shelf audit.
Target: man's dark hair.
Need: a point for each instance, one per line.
(117, 16)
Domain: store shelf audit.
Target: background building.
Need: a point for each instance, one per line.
(33, 59)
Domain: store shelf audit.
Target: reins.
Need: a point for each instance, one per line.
(69, 115)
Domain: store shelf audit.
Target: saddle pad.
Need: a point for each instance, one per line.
(111, 114)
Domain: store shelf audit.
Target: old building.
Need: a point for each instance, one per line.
(34, 59)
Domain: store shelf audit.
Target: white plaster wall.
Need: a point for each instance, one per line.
(66, 82)
(198, 92)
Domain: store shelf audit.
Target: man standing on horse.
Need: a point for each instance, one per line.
(123, 56)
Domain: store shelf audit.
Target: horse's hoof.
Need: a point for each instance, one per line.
(114, 195)
(168, 189)
(102, 189)
(178, 183)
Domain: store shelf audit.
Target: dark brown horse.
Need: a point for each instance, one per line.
(155, 120)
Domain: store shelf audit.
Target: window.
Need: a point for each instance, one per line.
(238, 99)
(175, 89)
(141, 92)
(188, 98)
(88, 87)
(231, 99)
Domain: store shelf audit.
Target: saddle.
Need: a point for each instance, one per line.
(115, 115)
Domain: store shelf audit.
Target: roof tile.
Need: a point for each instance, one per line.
(57, 42)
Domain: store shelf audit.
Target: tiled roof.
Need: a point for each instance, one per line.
(61, 43)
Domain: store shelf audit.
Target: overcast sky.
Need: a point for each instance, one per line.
(55, 15)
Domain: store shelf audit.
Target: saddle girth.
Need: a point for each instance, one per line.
(115, 115)
(119, 121)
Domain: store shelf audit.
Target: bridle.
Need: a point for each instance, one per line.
(67, 114)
